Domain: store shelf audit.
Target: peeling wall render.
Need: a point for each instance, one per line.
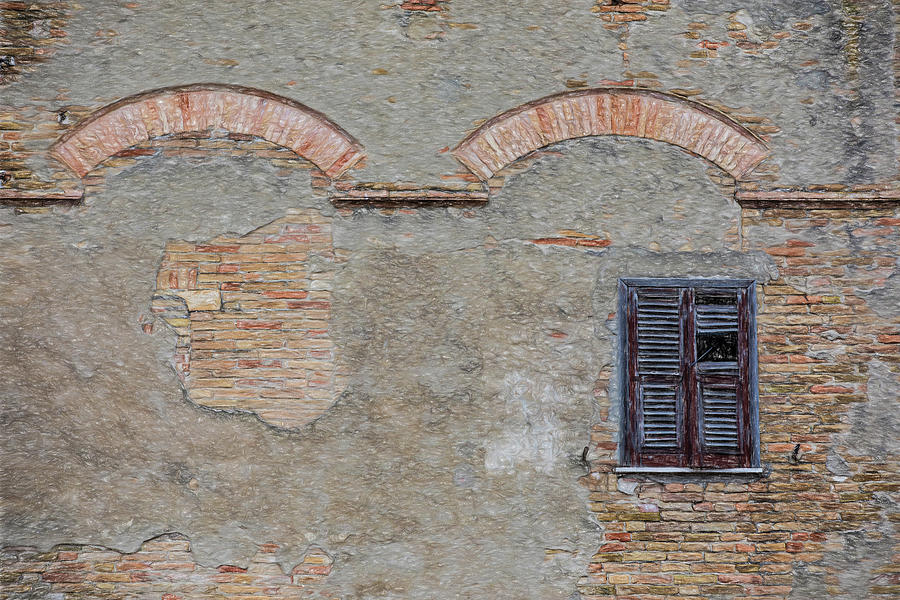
(343, 321)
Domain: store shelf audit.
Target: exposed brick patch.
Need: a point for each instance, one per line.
(425, 5)
(202, 107)
(30, 33)
(425, 21)
(618, 16)
(621, 12)
(574, 239)
(610, 111)
(163, 568)
(252, 318)
(707, 42)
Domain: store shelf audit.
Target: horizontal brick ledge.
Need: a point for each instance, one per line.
(373, 194)
(632, 112)
(29, 198)
(810, 198)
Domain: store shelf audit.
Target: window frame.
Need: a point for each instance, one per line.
(689, 456)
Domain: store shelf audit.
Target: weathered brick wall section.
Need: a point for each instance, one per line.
(162, 568)
(425, 5)
(24, 129)
(820, 344)
(608, 111)
(287, 375)
(252, 317)
(29, 31)
(733, 538)
(616, 13)
(252, 314)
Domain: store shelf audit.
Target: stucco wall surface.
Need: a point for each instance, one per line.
(477, 345)
(472, 353)
(810, 76)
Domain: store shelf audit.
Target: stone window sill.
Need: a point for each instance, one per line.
(687, 471)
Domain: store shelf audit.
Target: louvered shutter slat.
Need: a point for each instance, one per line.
(659, 368)
(719, 416)
(717, 320)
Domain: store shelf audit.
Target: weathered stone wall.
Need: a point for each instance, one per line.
(231, 372)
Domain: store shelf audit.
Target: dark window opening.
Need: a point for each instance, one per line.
(691, 373)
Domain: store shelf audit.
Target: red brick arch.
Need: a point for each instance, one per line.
(611, 111)
(199, 107)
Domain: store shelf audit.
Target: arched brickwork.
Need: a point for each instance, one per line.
(199, 107)
(611, 111)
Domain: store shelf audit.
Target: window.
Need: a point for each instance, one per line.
(690, 373)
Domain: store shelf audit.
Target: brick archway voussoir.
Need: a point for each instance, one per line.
(611, 111)
(199, 107)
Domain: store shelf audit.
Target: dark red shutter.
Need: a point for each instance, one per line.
(657, 436)
(720, 374)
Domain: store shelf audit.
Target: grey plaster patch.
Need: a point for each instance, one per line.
(831, 82)
(855, 563)
(817, 79)
(772, 14)
(836, 465)
(530, 435)
(627, 190)
(884, 300)
(875, 424)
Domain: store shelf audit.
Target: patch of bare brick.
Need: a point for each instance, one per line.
(30, 31)
(163, 567)
(621, 12)
(611, 111)
(817, 336)
(203, 107)
(574, 239)
(708, 40)
(425, 5)
(252, 319)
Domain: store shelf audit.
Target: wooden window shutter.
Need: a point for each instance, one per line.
(720, 334)
(657, 433)
(687, 352)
